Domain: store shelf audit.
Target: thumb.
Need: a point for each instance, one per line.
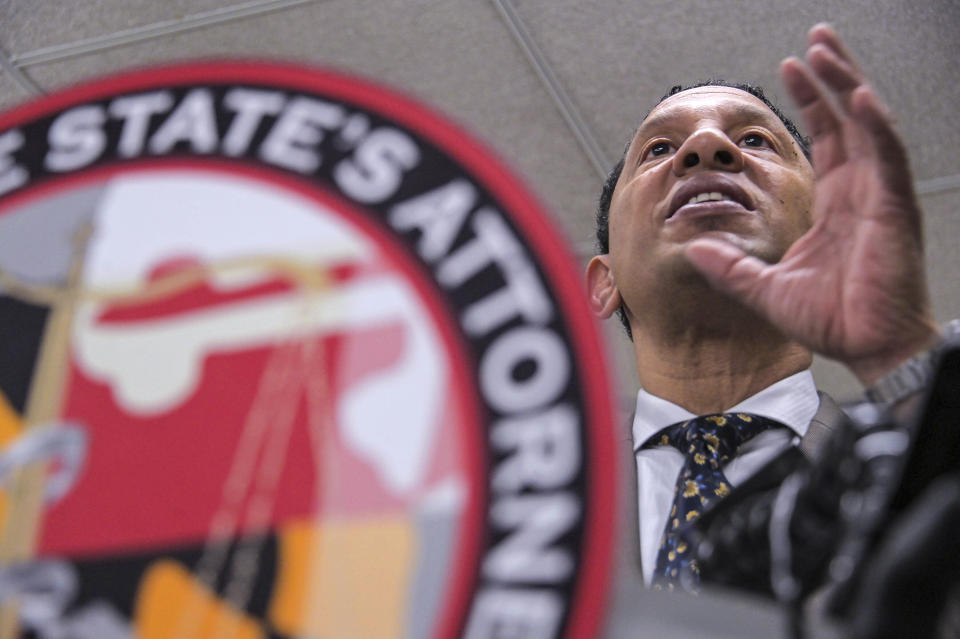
(729, 269)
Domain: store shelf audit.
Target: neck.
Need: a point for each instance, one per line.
(711, 362)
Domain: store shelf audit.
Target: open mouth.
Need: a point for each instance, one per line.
(713, 196)
(706, 194)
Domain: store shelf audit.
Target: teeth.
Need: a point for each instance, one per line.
(709, 197)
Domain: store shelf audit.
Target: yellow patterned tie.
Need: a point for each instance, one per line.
(707, 443)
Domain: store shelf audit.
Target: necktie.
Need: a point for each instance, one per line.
(707, 443)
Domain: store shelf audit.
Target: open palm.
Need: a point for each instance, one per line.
(853, 288)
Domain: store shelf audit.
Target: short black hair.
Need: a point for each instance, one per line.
(606, 195)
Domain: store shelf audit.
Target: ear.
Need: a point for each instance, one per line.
(602, 291)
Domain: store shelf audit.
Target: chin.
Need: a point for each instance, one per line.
(761, 248)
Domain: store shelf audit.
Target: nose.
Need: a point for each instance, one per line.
(708, 148)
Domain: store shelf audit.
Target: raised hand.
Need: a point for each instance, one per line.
(854, 287)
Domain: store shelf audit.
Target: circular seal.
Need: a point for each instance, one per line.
(286, 354)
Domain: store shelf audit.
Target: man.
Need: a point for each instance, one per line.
(732, 258)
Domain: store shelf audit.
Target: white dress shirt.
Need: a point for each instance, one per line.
(793, 401)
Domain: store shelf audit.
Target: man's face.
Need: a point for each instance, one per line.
(707, 162)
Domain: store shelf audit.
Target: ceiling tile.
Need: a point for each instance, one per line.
(617, 58)
(11, 92)
(456, 56)
(28, 25)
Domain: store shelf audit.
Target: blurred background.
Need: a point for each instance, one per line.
(553, 87)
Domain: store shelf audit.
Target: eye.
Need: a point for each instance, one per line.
(656, 150)
(660, 148)
(755, 140)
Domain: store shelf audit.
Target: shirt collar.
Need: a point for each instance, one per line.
(793, 401)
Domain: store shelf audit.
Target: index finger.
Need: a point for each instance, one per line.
(820, 116)
(826, 35)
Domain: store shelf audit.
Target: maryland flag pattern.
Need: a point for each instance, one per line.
(284, 354)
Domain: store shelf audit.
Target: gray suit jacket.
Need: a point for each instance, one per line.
(828, 418)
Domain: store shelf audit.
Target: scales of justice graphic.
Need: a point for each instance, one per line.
(250, 396)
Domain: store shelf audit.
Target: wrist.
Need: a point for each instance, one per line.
(870, 370)
(913, 373)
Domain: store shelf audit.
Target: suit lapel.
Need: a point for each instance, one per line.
(827, 419)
